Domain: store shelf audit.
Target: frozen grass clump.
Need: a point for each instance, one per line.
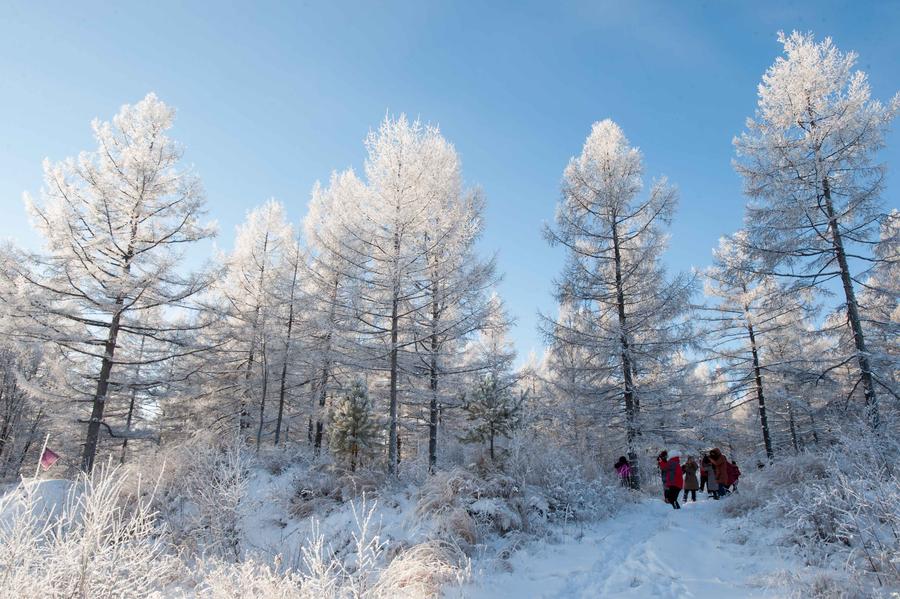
(423, 570)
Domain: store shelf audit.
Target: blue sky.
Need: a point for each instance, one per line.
(272, 97)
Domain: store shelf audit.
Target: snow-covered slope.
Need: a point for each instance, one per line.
(647, 550)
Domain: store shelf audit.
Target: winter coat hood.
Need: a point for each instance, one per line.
(721, 466)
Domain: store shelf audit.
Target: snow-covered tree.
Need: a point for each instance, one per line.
(114, 222)
(748, 307)
(808, 163)
(492, 410)
(289, 291)
(354, 430)
(880, 303)
(455, 291)
(333, 283)
(409, 169)
(248, 303)
(630, 315)
(21, 412)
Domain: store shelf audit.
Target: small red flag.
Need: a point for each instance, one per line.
(49, 458)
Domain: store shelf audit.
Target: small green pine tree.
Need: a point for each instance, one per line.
(493, 411)
(354, 432)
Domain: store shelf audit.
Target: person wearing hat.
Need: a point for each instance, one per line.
(673, 478)
(691, 484)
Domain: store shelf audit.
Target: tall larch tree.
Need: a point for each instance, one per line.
(614, 237)
(456, 294)
(248, 302)
(747, 308)
(808, 159)
(114, 222)
(335, 273)
(408, 169)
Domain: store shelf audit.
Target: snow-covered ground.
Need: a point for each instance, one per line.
(647, 550)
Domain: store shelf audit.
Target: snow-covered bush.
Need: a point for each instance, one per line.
(201, 484)
(840, 507)
(443, 502)
(529, 490)
(250, 580)
(99, 542)
(217, 484)
(362, 569)
(564, 483)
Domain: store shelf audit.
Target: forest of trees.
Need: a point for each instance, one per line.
(375, 330)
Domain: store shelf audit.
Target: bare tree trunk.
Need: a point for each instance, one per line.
(137, 375)
(393, 444)
(815, 430)
(262, 399)
(862, 354)
(492, 443)
(631, 408)
(433, 384)
(30, 439)
(7, 424)
(322, 389)
(99, 403)
(287, 347)
(793, 428)
(760, 397)
(433, 411)
(244, 422)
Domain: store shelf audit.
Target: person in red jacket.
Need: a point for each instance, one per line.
(661, 462)
(673, 478)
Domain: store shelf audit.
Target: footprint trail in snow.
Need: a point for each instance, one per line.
(646, 550)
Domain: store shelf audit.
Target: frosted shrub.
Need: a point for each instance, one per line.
(97, 545)
(841, 507)
(250, 580)
(216, 485)
(201, 484)
(563, 484)
(359, 571)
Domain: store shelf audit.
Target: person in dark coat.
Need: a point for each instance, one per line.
(691, 484)
(623, 470)
(673, 478)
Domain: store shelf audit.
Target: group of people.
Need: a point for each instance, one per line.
(717, 475)
(714, 473)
